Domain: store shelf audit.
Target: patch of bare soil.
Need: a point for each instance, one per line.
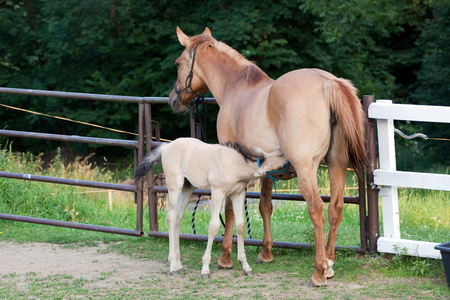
(101, 273)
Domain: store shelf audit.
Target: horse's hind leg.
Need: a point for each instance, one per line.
(307, 180)
(337, 169)
(265, 208)
(225, 261)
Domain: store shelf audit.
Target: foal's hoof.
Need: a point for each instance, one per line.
(249, 273)
(206, 276)
(177, 272)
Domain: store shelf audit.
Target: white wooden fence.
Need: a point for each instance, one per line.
(388, 178)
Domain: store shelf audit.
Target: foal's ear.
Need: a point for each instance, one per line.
(258, 151)
(183, 38)
(207, 31)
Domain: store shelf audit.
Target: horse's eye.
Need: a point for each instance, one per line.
(178, 65)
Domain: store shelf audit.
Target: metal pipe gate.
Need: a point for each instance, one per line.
(368, 213)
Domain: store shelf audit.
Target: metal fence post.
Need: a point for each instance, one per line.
(152, 196)
(139, 154)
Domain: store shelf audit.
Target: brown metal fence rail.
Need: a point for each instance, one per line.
(144, 144)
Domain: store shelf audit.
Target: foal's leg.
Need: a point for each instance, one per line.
(183, 202)
(171, 220)
(214, 226)
(307, 180)
(225, 261)
(265, 208)
(238, 208)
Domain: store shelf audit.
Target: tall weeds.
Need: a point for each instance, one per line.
(424, 215)
(60, 202)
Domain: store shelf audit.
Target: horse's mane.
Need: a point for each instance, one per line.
(249, 71)
(244, 151)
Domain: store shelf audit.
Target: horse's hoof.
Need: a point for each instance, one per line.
(220, 267)
(260, 261)
(249, 273)
(206, 276)
(312, 284)
(329, 274)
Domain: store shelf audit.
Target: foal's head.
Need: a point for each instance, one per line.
(269, 161)
(189, 83)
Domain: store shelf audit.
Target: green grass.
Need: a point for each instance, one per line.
(424, 216)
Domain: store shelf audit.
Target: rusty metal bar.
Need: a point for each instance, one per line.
(157, 131)
(139, 194)
(192, 123)
(82, 226)
(256, 195)
(249, 242)
(152, 197)
(85, 183)
(96, 97)
(371, 220)
(372, 191)
(69, 138)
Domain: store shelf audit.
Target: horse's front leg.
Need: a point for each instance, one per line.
(225, 261)
(238, 208)
(265, 208)
(214, 226)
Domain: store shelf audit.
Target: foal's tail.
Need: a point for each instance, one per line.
(345, 104)
(149, 161)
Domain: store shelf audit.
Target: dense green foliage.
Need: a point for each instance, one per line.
(396, 50)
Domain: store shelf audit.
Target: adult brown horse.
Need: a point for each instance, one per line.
(309, 114)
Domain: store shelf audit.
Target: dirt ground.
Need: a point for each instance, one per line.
(111, 274)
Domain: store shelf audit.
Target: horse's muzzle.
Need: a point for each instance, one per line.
(176, 104)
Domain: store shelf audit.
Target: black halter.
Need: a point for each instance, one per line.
(187, 85)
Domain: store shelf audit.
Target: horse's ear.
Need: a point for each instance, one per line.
(207, 31)
(183, 38)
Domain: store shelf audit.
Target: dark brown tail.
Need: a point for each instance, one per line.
(344, 102)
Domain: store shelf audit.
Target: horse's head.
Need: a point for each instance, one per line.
(189, 83)
(269, 161)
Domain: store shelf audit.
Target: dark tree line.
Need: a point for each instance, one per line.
(392, 49)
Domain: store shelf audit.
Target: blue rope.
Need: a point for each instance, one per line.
(269, 174)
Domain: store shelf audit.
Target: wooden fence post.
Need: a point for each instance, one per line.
(372, 191)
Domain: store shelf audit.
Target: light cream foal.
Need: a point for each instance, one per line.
(189, 163)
